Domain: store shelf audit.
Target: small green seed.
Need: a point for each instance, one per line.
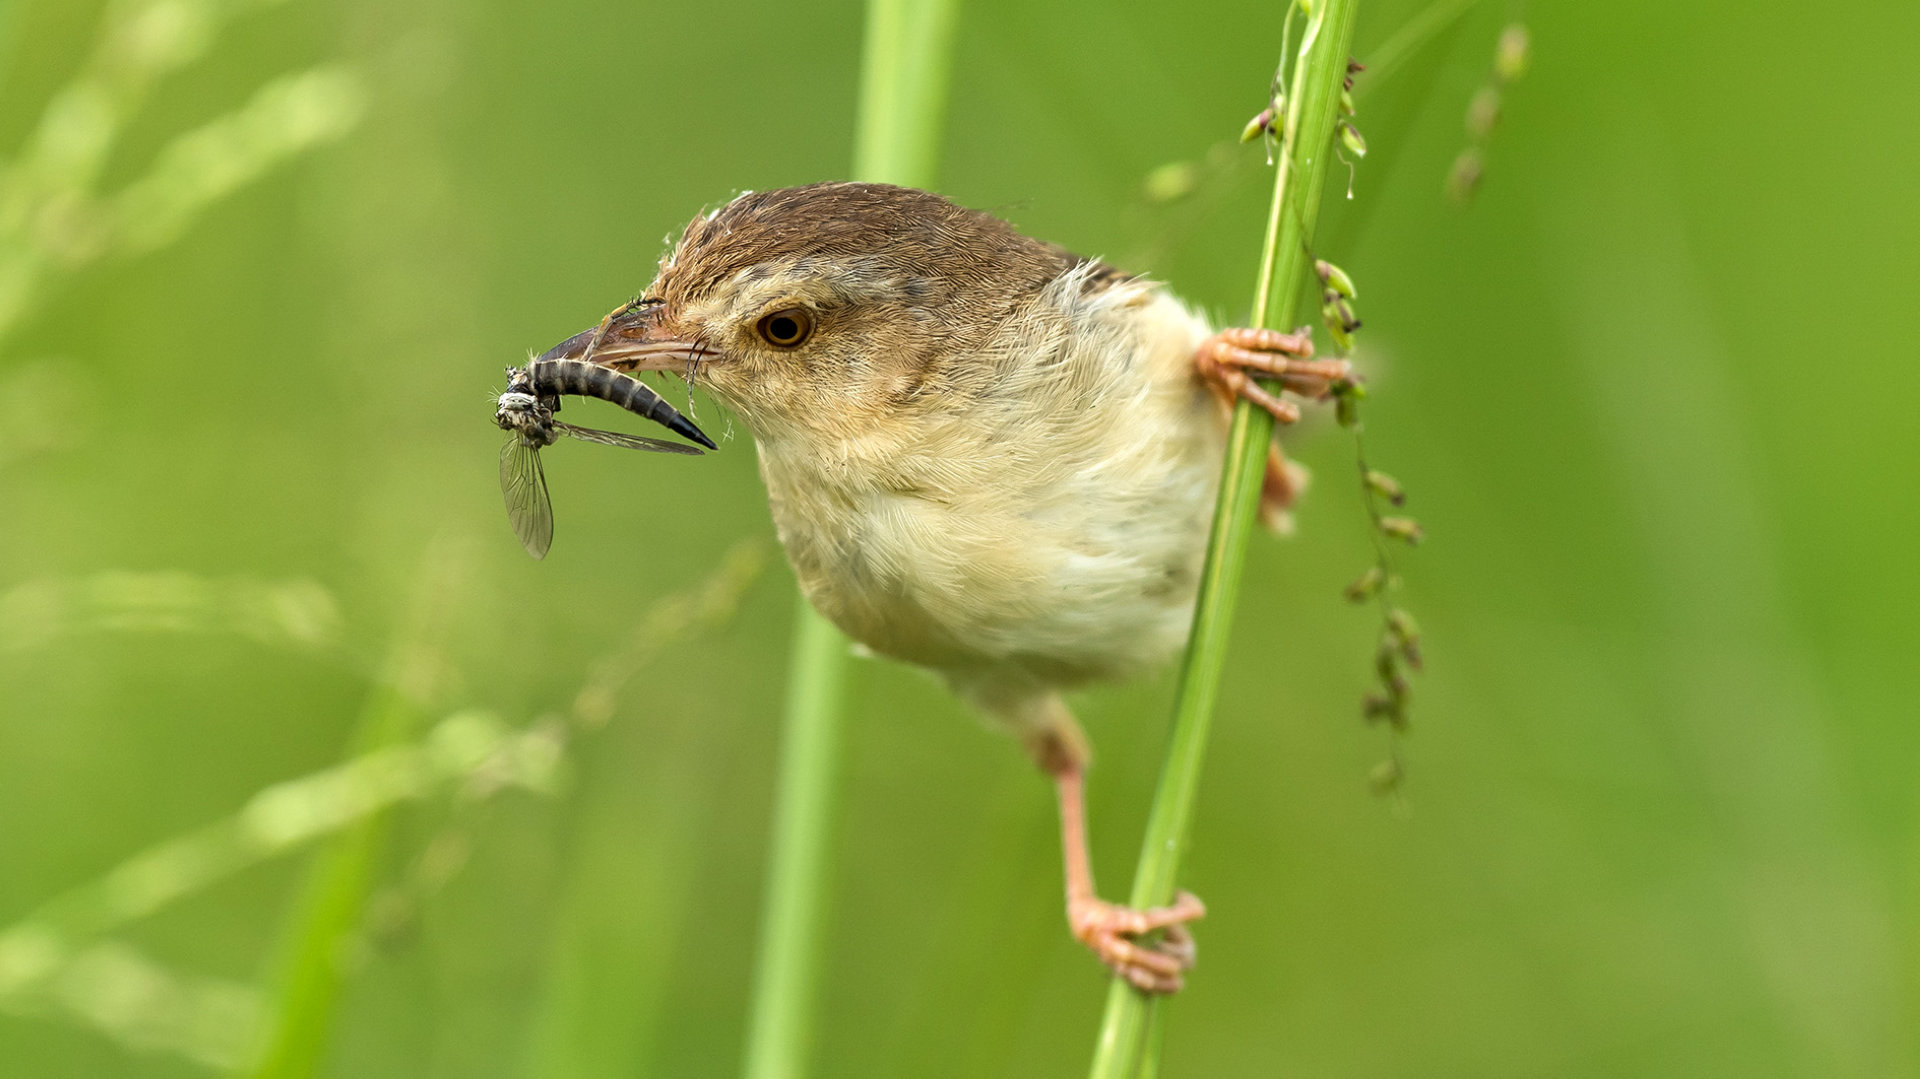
(1377, 706)
(1406, 636)
(1386, 663)
(1257, 126)
(1483, 112)
(1351, 138)
(1172, 181)
(1337, 314)
(1386, 776)
(1463, 179)
(1335, 279)
(1403, 528)
(1366, 586)
(1386, 487)
(1511, 56)
(1342, 339)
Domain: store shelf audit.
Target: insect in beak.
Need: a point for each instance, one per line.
(526, 412)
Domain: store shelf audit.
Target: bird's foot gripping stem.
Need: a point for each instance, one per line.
(1231, 360)
(1114, 934)
(1123, 937)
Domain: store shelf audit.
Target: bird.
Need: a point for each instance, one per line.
(984, 456)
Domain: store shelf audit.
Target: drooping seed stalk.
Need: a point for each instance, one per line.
(1313, 100)
(903, 96)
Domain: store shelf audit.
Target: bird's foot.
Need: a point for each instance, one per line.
(1230, 360)
(1113, 932)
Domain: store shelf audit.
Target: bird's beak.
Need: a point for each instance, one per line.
(631, 339)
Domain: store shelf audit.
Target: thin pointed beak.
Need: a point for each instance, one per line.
(573, 348)
(630, 339)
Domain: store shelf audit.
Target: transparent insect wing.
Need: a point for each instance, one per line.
(524, 484)
(632, 442)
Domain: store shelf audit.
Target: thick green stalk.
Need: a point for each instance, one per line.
(1314, 99)
(903, 90)
(799, 853)
(903, 97)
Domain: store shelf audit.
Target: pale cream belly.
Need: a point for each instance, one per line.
(1093, 579)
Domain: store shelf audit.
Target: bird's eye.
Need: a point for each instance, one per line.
(787, 328)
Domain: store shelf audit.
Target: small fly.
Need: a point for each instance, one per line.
(526, 412)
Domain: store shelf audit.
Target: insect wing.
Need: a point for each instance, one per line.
(632, 442)
(525, 486)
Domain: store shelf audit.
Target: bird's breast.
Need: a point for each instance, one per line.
(1052, 524)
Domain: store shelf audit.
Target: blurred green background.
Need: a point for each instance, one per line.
(1651, 393)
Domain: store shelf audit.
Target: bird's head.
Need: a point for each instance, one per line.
(818, 311)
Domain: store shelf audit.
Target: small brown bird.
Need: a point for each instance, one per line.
(985, 455)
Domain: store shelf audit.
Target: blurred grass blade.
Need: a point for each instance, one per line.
(111, 988)
(331, 906)
(673, 619)
(1314, 100)
(297, 613)
(274, 821)
(140, 42)
(903, 94)
(286, 118)
(1386, 58)
(607, 980)
(52, 218)
(329, 912)
(54, 961)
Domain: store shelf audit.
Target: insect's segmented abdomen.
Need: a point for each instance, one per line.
(579, 378)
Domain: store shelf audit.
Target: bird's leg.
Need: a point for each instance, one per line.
(1112, 931)
(1231, 362)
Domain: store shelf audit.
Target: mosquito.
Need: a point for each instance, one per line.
(526, 412)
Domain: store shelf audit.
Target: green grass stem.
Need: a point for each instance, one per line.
(800, 852)
(1313, 106)
(328, 916)
(904, 79)
(903, 95)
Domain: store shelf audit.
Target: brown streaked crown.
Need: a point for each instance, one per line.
(953, 256)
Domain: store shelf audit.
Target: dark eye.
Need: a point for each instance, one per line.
(787, 328)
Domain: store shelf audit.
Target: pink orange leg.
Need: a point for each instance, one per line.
(1114, 933)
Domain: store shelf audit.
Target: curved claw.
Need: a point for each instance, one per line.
(1229, 361)
(1112, 932)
